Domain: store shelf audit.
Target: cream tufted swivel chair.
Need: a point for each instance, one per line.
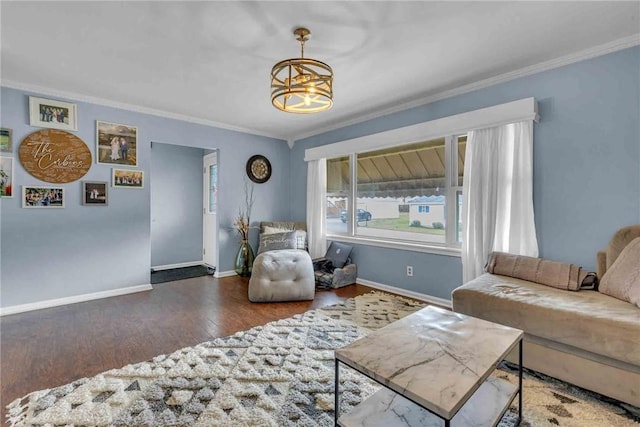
(283, 274)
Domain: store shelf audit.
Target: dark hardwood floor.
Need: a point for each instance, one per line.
(47, 348)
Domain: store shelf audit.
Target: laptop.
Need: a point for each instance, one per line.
(338, 254)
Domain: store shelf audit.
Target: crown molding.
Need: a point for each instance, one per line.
(593, 52)
(129, 107)
(589, 53)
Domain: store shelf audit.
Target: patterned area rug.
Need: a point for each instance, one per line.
(279, 374)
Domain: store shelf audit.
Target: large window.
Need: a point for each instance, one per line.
(402, 188)
(400, 193)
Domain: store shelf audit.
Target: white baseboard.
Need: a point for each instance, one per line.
(406, 293)
(15, 309)
(228, 273)
(179, 265)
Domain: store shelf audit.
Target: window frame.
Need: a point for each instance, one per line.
(450, 247)
(455, 125)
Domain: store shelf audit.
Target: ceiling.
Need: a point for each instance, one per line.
(210, 62)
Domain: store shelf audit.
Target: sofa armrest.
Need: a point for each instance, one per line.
(602, 264)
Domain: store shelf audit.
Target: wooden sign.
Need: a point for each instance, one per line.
(54, 155)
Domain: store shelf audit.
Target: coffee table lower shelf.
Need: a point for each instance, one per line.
(485, 407)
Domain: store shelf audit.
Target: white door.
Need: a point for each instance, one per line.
(210, 199)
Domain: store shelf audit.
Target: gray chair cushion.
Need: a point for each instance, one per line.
(283, 275)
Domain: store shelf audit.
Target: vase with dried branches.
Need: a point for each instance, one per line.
(242, 224)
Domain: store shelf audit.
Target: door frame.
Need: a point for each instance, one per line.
(205, 203)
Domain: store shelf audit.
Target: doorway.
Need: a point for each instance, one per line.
(183, 221)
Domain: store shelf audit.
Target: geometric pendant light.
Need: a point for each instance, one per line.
(302, 85)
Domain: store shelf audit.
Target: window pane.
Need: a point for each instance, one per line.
(213, 188)
(401, 192)
(462, 147)
(338, 188)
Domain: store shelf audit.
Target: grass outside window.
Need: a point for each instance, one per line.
(400, 224)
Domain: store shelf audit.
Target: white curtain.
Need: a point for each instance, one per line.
(497, 211)
(316, 207)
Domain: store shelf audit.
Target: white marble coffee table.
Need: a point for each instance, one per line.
(436, 366)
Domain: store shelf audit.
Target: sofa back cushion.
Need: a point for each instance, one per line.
(619, 241)
(558, 274)
(622, 278)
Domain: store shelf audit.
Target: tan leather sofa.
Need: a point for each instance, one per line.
(585, 338)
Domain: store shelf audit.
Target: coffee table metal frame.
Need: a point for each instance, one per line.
(447, 422)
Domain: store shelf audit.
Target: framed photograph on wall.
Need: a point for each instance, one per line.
(127, 178)
(116, 144)
(48, 113)
(95, 193)
(6, 177)
(42, 197)
(6, 145)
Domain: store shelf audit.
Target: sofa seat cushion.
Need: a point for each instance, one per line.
(585, 319)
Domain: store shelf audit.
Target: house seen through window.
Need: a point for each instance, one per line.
(407, 192)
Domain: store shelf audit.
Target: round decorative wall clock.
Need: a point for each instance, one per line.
(259, 169)
(53, 155)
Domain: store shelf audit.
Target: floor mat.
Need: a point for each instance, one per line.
(178, 274)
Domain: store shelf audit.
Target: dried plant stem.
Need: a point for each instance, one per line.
(242, 223)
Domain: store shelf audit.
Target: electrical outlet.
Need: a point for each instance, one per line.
(409, 270)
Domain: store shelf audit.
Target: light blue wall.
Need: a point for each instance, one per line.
(586, 185)
(48, 254)
(176, 204)
(586, 165)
